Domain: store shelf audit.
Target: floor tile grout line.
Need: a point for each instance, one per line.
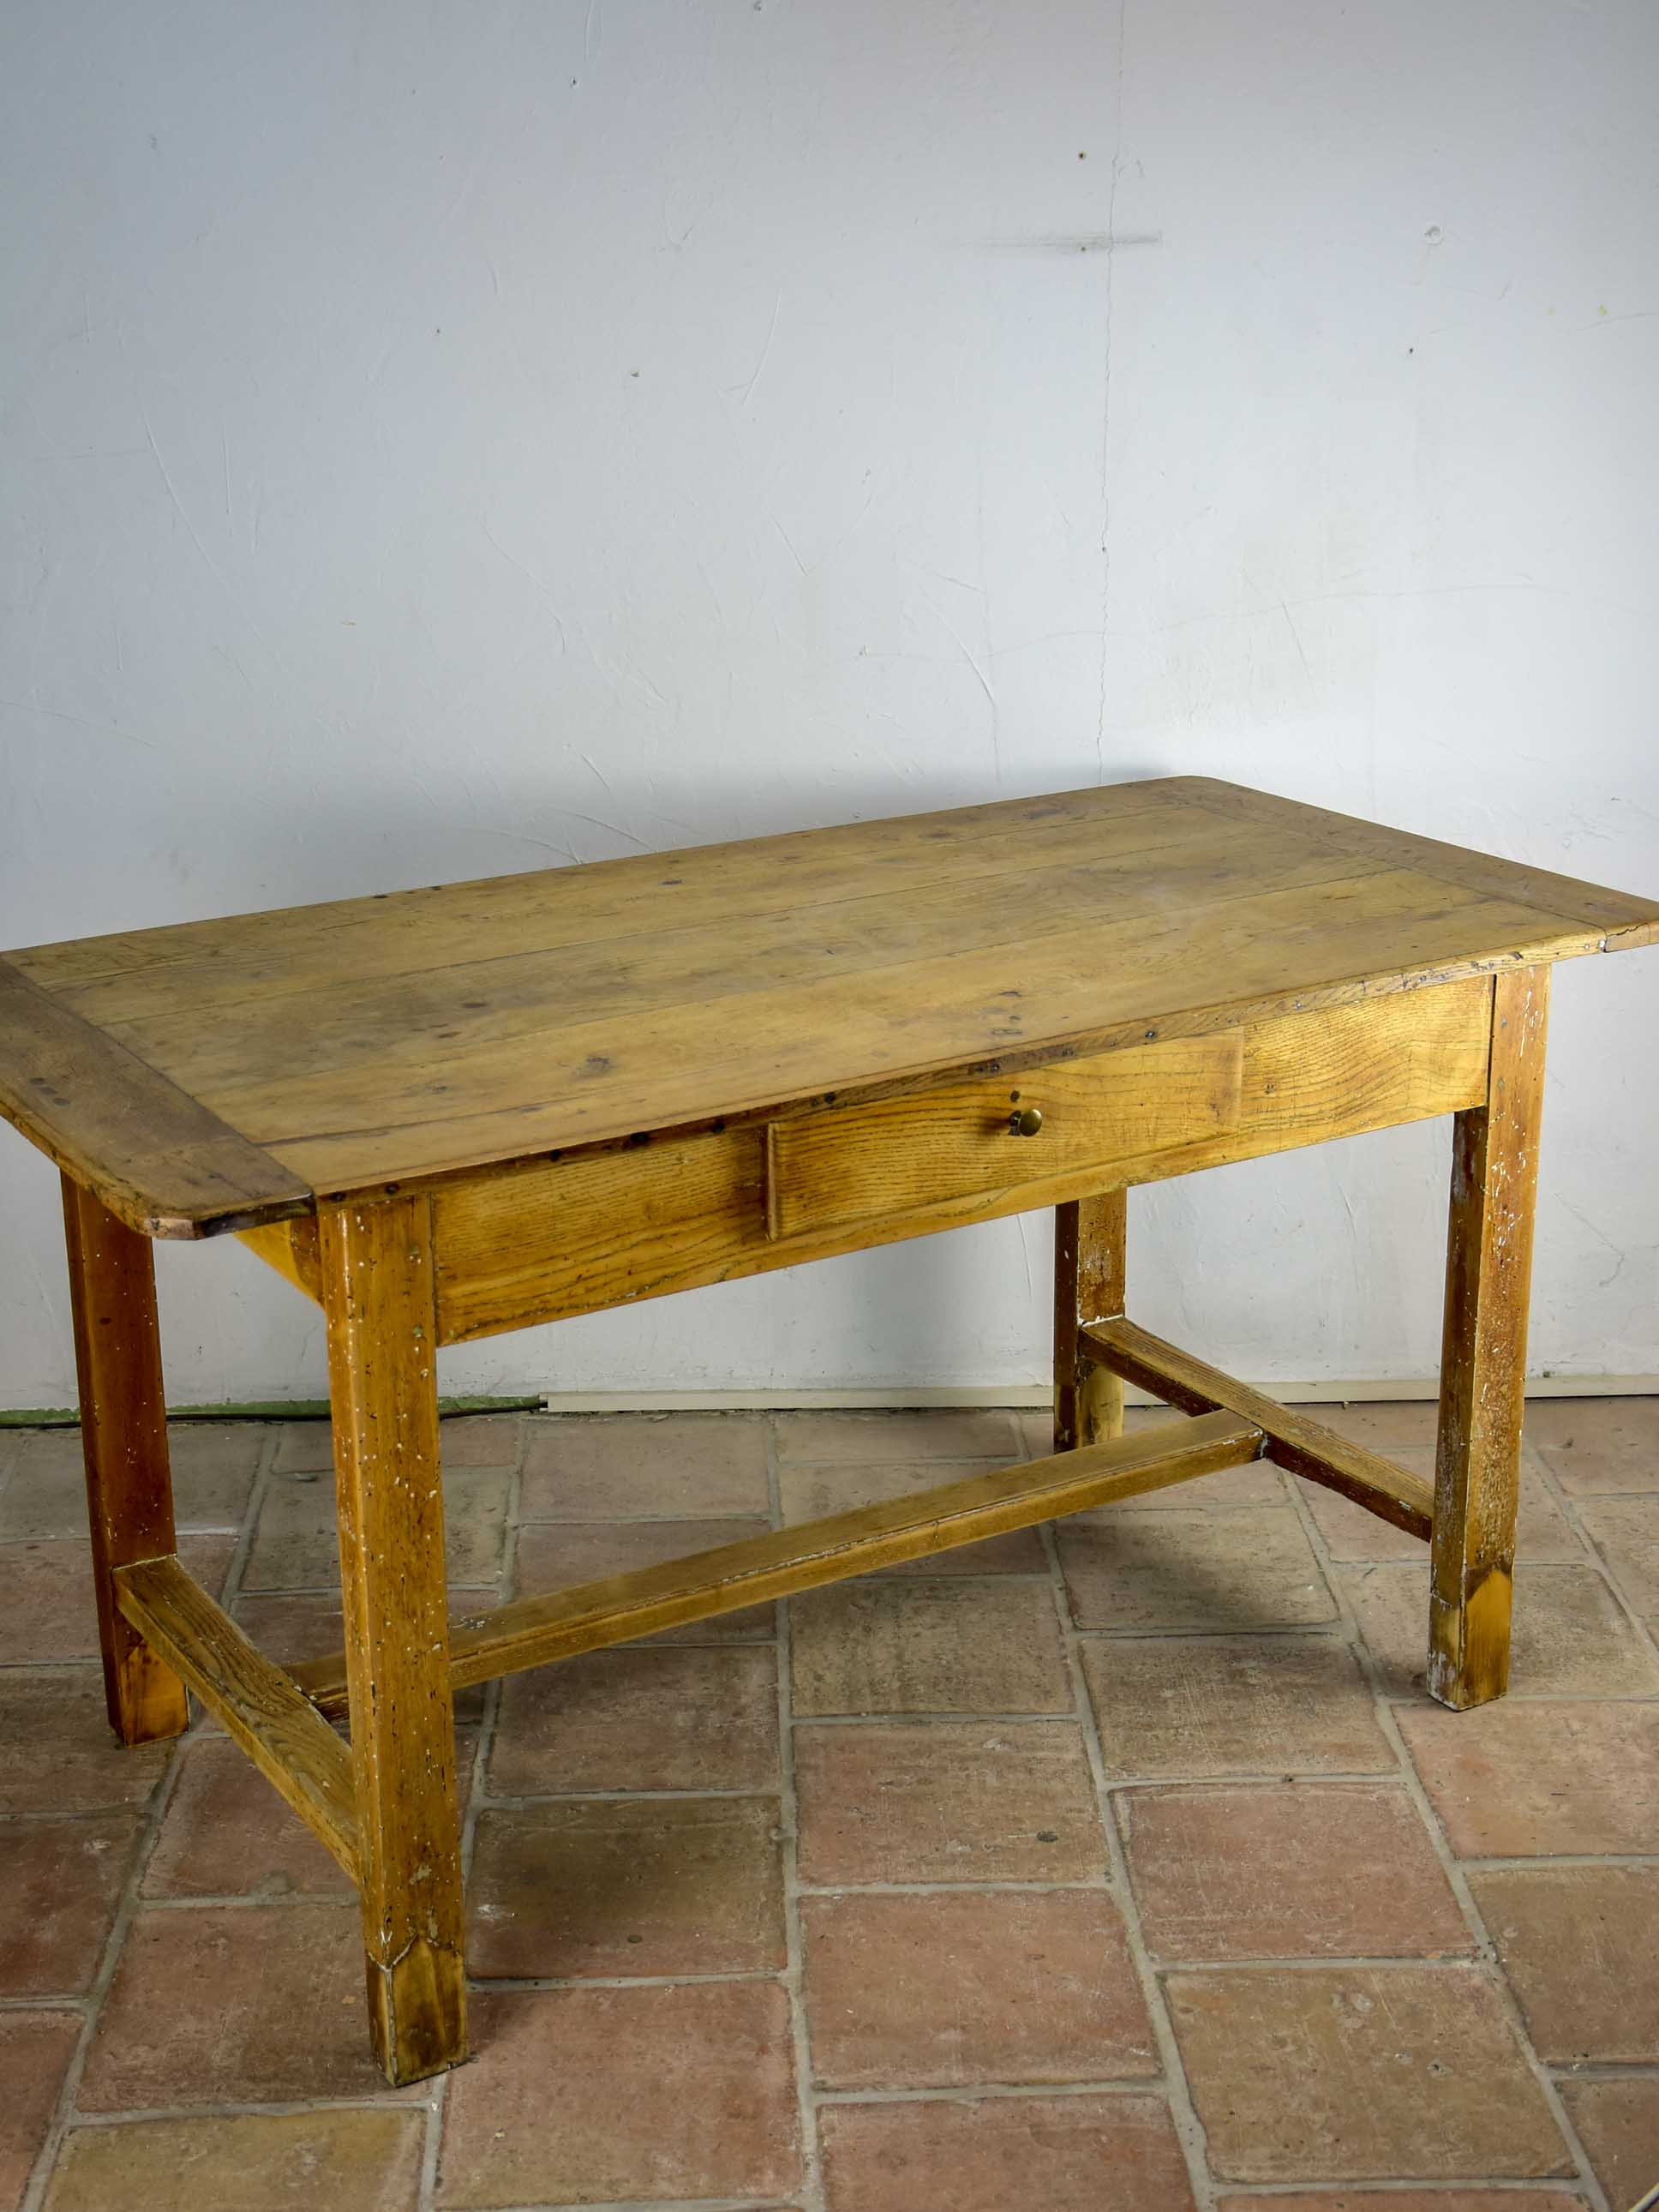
(1305, 1631)
(1520, 1864)
(1646, 1492)
(1486, 1950)
(1189, 2130)
(1353, 1776)
(298, 1900)
(528, 1804)
(930, 1717)
(1098, 1888)
(990, 1462)
(1354, 2193)
(812, 2150)
(627, 1520)
(1392, 1962)
(1647, 1635)
(530, 1984)
(1533, 1460)
(236, 2108)
(128, 1905)
(1220, 1778)
(87, 1815)
(1413, 1698)
(1405, 1777)
(203, 1727)
(662, 2204)
(1007, 2092)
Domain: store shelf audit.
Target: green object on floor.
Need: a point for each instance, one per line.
(258, 1409)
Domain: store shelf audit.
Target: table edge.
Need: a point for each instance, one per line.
(79, 1096)
(78, 1093)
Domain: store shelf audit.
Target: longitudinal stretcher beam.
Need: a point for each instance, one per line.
(620, 1607)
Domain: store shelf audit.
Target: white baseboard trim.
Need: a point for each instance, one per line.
(1031, 1395)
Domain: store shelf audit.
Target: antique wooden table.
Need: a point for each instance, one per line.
(446, 1113)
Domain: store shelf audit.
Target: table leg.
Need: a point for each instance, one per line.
(382, 1337)
(1483, 1367)
(1090, 1235)
(124, 1442)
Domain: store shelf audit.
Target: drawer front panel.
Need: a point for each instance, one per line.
(858, 1163)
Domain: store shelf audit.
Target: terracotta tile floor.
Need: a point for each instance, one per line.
(1124, 1868)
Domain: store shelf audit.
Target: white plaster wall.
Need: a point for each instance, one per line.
(436, 439)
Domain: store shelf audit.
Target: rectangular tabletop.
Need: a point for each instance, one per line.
(215, 1074)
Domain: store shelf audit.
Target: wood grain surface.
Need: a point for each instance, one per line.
(124, 1449)
(158, 1160)
(435, 1031)
(1294, 1439)
(605, 1228)
(377, 1284)
(591, 1616)
(1091, 1262)
(255, 1701)
(1483, 1360)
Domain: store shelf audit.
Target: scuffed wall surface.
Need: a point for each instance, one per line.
(435, 440)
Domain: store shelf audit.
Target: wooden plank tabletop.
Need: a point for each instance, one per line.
(211, 1074)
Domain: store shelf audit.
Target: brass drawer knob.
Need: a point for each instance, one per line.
(1025, 1120)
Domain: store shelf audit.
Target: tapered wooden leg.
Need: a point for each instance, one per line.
(1090, 1235)
(123, 1440)
(378, 1295)
(1483, 1367)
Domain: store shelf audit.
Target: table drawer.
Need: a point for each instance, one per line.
(852, 1163)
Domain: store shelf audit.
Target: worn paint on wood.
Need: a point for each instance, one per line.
(158, 1160)
(925, 1148)
(123, 1444)
(531, 1631)
(557, 1093)
(448, 1030)
(377, 1278)
(1483, 1366)
(1091, 1254)
(255, 1701)
(1294, 1439)
(607, 1227)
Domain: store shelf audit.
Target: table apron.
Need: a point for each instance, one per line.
(545, 1239)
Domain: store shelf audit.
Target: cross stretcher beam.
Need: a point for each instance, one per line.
(1305, 1447)
(257, 1702)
